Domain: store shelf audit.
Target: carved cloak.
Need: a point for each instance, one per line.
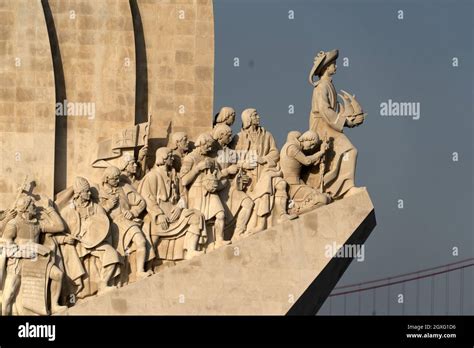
(324, 119)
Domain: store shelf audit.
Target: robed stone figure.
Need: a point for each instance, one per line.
(176, 231)
(328, 118)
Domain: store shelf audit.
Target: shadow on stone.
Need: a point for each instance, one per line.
(314, 297)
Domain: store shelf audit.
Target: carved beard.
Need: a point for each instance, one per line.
(83, 202)
(29, 217)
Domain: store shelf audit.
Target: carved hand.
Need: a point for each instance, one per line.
(359, 119)
(233, 169)
(69, 240)
(175, 214)
(143, 152)
(350, 123)
(163, 221)
(10, 215)
(325, 146)
(128, 215)
(261, 160)
(113, 201)
(317, 157)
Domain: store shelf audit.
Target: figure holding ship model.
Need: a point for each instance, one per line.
(330, 117)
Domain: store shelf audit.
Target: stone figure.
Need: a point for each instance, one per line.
(200, 173)
(267, 187)
(88, 226)
(329, 117)
(6, 216)
(238, 204)
(132, 171)
(176, 231)
(124, 204)
(292, 160)
(179, 145)
(226, 115)
(29, 265)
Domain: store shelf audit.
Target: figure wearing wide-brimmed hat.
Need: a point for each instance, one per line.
(328, 118)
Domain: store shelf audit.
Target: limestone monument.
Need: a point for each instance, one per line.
(267, 187)
(163, 202)
(303, 197)
(328, 118)
(176, 232)
(89, 239)
(237, 203)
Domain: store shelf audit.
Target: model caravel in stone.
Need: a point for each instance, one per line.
(188, 203)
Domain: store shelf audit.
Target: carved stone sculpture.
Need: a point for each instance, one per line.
(267, 187)
(200, 173)
(177, 232)
(29, 265)
(124, 205)
(6, 216)
(76, 104)
(87, 225)
(179, 145)
(292, 159)
(226, 115)
(329, 118)
(238, 205)
(132, 171)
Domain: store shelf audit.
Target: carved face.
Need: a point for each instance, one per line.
(331, 69)
(31, 211)
(169, 159)
(131, 167)
(255, 119)
(85, 195)
(225, 139)
(183, 144)
(26, 207)
(207, 147)
(308, 145)
(230, 119)
(113, 180)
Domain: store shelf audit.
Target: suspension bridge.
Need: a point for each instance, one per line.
(441, 290)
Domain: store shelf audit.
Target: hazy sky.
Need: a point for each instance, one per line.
(409, 60)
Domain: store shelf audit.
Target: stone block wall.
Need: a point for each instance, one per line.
(179, 38)
(96, 42)
(27, 99)
(94, 61)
